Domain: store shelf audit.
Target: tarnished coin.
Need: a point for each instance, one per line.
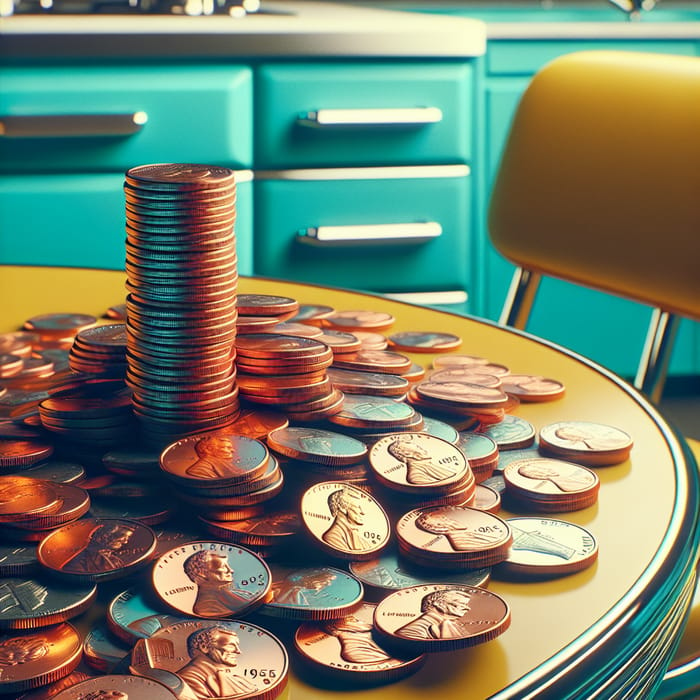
(117, 687)
(214, 458)
(211, 579)
(102, 651)
(388, 573)
(363, 411)
(512, 433)
(311, 593)
(532, 387)
(18, 560)
(441, 617)
(344, 649)
(216, 658)
(368, 383)
(424, 341)
(317, 445)
(415, 462)
(588, 443)
(28, 603)
(344, 520)
(312, 314)
(551, 485)
(22, 497)
(32, 658)
(360, 320)
(453, 535)
(546, 547)
(440, 429)
(131, 615)
(97, 549)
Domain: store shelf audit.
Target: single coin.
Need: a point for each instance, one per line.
(73, 503)
(299, 329)
(547, 547)
(97, 549)
(266, 305)
(215, 458)
(131, 615)
(317, 445)
(470, 374)
(311, 593)
(364, 411)
(532, 387)
(344, 649)
(365, 360)
(592, 444)
(18, 560)
(551, 484)
(211, 579)
(462, 394)
(360, 320)
(102, 651)
(340, 342)
(60, 325)
(21, 453)
(441, 617)
(512, 433)
(115, 686)
(22, 496)
(32, 658)
(416, 462)
(216, 658)
(487, 498)
(368, 383)
(312, 314)
(389, 572)
(347, 522)
(180, 177)
(273, 346)
(424, 341)
(29, 603)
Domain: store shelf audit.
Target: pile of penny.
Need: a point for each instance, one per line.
(260, 312)
(100, 350)
(182, 280)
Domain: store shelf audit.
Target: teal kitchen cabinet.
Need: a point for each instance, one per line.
(70, 132)
(365, 176)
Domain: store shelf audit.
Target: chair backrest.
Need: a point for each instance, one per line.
(599, 182)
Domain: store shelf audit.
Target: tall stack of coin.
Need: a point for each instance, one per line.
(181, 307)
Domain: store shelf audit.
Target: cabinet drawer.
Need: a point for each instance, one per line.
(527, 57)
(78, 221)
(109, 118)
(369, 209)
(313, 115)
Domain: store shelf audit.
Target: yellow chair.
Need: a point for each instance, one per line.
(599, 185)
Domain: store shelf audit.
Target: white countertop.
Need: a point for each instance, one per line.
(284, 29)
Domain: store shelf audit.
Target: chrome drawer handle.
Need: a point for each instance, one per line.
(71, 125)
(347, 118)
(450, 298)
(385, 234)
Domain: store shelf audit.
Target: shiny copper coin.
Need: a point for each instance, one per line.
(211, 579)
(180, 177)
(417, 462)
(368, 383)
(374, 361)
(484, 365)
(424, 341)
(472, 375)
(371, 340)
(33, 658)
(279, 526)
(114, 686)
(551, 485)
(10, 365)
(245, 325)
(272, 346)
(200, 494)
(22, 497)
(512, 433)
(256, 383)
(240, 660)
(389, 572)
(30, 603)
(455, 534)
(531, 387)
(592, 444)
(487, 498)
(345, 650)
(97, 549)
(312, 314)
(255, 423)
(441, 617)
(47, 692)
(299, 329)
(340, 342)
(360, 320)
(215, 459)
(462, 394)
(73, 503)
(368, 412)
(59, 325)
(543, 547)
(317, 445)
(267, 305)
(318, 410)
(21, 453)
(345, 521)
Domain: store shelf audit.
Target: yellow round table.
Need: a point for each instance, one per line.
(596, 633)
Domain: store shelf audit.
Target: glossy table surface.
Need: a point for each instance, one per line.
(645, 520)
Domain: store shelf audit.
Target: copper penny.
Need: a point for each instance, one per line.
(117, 687)
(347, 522)
(345, 649)
(19, 453)
(462, 394)
(472, 375)
(424, 341)
(97, 549)
(216, 658)
(588, 443)
(256, 423)
(266, 305)
(22, 496)
(531, 387)
(361, 319)
(365, 360)
(441, 617)
(317, 445)
(368, 383)
(211, 579)
(415, 462)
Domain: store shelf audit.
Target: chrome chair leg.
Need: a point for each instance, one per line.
(520, 298)
(656, 355)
